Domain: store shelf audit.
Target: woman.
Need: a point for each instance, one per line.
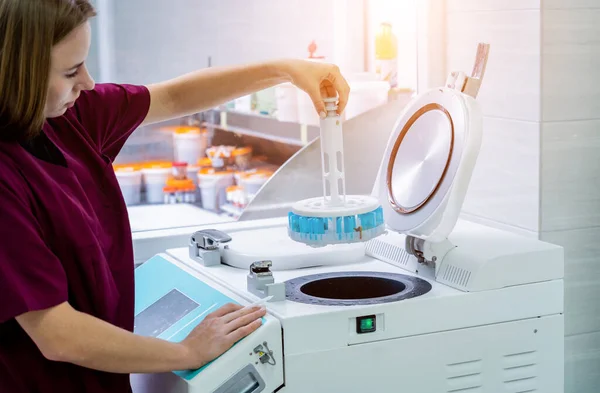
(66, 259)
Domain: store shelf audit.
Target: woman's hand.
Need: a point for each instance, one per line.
(219, 331)
(319, 80)
(207, 88)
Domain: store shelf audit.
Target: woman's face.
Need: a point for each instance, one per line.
(68, 73)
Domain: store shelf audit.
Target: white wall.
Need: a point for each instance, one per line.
(156, 39)
(92, 61)
(505, 185)
(570, 173)
(538, 172)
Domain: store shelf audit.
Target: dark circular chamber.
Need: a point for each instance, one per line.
(354, 288)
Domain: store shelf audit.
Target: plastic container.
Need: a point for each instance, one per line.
(179, 191)
(221, 156)
(286, 96)
(146, 145)
(242, 157)
(204, 162)
(155, 177)
(386, 54)
(236, 196)
(130, 182)
(179, 170)
(213, 184)
(253, 181)
(189, 144)
(192, 171)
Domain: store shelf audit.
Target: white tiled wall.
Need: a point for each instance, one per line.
(570, 4)
(157, 39)
(511, 87)
(505, 184)
(581, 363)
(571, 60)
(570, 174)
(538, 169)
(491, 5)
(582, 278)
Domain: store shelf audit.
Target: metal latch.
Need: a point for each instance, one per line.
(260, 282)
(204, 246)
(428, 253)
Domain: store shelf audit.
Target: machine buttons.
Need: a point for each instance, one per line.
(366, 324)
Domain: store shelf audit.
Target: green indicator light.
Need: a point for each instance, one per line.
(366, 324)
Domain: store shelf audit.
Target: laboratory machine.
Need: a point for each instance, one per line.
(433, 304)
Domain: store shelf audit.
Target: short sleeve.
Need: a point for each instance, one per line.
(31, 276)
(111, 112)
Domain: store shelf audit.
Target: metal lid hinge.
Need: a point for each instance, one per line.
(428, 253)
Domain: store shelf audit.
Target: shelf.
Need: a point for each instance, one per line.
(235, 211)
(267, 127)
(259, 134)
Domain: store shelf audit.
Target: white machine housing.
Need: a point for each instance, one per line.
(501, 331)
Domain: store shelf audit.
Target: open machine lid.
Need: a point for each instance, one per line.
(427, 165)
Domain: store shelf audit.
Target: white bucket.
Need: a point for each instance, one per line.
(287, 102)
(192, 173)
(155, 180)
(252, 182)
(130, 182)
(213, 189)
(189, 147)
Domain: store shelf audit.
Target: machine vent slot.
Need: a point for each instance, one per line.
(457, 275)
(520, 372)
(387, 252)
(464, 377)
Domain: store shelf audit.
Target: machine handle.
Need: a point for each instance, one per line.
(470, 84)
(209, 239)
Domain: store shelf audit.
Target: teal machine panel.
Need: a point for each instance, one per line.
(170, 303)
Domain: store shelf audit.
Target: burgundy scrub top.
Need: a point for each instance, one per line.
(65, 235)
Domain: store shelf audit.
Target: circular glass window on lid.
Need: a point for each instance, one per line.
(420, 158)
(354, 288)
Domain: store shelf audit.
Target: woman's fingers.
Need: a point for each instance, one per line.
(316, 97)
(341, 86)
(244, 331)
(332, 84)
(244, 320)
(239, 313)
(226, 309)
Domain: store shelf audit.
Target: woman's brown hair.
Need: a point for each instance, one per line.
(29, 29)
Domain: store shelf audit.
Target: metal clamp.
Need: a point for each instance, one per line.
(260, 282)
(426, 252)
(204, 246)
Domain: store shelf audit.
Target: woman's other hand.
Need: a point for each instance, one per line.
(219, 331)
